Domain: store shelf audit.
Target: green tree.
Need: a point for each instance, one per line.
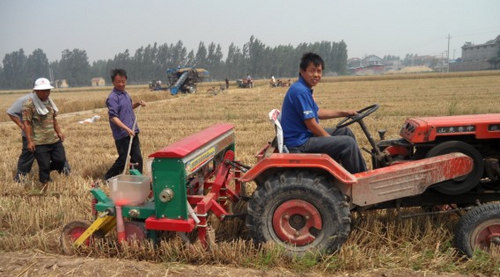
(2, 80)
(14, 69)
(74, 67)
(201, 56)
(235, 65)
(256, 56)
(37, 65)
(139, 64)
(190, 58)
(214, 60)
(162, 58)
(340, 58)
(99, 69)
(151, 62)
(122, 60)
(179, 53)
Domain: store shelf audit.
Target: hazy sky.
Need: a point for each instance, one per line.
(106, 27)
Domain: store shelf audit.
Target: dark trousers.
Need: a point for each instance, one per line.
(122, 148)
(341, 146)
(25, 161)
(49, 157)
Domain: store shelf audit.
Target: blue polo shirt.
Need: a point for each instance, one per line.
(298, 106)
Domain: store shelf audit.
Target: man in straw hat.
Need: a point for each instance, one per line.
(43, 133)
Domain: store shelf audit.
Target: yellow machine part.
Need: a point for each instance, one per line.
(105, 224)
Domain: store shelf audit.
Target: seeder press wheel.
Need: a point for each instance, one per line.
(134, 231)
(72, 231)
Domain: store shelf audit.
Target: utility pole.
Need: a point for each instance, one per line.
(51, 75)
(448, 58)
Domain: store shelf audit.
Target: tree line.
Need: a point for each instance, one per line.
(151, 62)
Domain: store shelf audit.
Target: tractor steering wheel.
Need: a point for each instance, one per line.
(348, 120)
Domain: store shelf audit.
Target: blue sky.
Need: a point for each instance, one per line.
(381, 27)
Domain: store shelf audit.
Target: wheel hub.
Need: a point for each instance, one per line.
(297, 222)
(487, 236)
(134, 231)
(76, 232)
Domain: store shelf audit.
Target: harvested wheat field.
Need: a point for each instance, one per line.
(380, 244)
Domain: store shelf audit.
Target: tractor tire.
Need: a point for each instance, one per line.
(465, 183)
(300, 211)
(72, 231)
(479, 228)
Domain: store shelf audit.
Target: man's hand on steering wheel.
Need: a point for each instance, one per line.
(357, 116)
(350, 113)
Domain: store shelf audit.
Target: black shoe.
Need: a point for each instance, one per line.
(66, 169)
(20, 176)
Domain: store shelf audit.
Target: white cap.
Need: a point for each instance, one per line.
(42, 84)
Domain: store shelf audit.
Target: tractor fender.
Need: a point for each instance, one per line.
(408, 179)
(300, 160)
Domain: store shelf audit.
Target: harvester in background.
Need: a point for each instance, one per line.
(185, 79)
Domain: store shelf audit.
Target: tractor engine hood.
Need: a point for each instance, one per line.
(426, 129)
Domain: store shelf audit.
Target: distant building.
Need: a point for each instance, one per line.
(98, 82)
(369, 65)
(61, 83)
(394, 64)
(476, 56)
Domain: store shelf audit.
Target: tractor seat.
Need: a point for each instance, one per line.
(278, 141)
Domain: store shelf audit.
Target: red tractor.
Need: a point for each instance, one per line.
(304, 201)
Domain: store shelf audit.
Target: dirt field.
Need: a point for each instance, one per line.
(378, 245)
(36, 263)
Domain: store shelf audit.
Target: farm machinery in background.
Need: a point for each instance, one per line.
(303, 201)
(245, 83)
(277, 83)
(181, 80)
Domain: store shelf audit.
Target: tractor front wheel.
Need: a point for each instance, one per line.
(465, 183)
(72, 231)
(478, 229)
(301, 211)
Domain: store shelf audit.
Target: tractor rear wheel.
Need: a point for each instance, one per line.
(72, 231)
(465, 183)
(478, 229)
(300, 211)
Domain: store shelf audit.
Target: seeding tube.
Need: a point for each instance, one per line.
(120, 226)
(193, 214)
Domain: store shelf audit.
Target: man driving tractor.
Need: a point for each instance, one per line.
(300, 120)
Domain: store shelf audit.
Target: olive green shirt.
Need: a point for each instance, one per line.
(42, 125)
